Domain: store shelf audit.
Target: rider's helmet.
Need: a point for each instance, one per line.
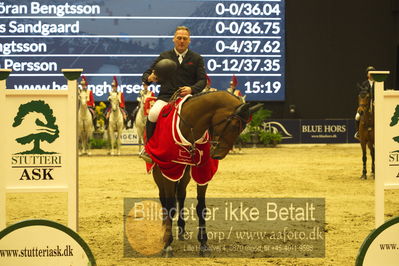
(165, 69)
(84, 82)
(368, 69)
(114, 84)
(233, 82)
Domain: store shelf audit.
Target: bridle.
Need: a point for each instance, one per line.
(216, 139)
(365, 108)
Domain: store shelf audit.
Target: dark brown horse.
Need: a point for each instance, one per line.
(225, 116)
(366, 129)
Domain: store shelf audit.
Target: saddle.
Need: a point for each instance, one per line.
(173, 153)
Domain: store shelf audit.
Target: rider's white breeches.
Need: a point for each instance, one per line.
(155, 110)
(357, 117)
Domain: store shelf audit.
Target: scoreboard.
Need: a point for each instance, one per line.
(122, 38)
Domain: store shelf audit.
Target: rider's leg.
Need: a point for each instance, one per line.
(149, 129)
(93, 116)
(153, 117)
(357, 122)
(106, 119)
(124, 114)
(151, 125)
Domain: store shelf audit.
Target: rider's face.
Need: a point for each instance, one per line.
(181, 40)
(369, 76)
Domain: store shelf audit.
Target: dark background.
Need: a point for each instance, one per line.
(329, 45)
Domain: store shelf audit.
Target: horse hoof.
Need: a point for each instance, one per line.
(167, 252)
(363, 177)
(205, 251)
(89, 153)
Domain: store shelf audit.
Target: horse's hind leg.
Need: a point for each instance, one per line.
(181, 197)
(201, 213)
(167, 196)
(89, 144)
(364, 159)
(118, 141)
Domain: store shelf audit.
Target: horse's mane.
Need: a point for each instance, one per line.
(208, 92)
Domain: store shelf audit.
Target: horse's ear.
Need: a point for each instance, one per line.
(243, 111)
(255, 108)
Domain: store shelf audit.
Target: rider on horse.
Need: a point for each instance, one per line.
(90, 103)
(177, 69)
(164, 73)
(208, 85)
(367, 85)
(233, 87)
(121, 103)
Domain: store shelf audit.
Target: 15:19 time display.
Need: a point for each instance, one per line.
(259, 87)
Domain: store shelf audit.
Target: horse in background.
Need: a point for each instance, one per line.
(116, 124)
(85, 123)
(366, 129)
(144, 100)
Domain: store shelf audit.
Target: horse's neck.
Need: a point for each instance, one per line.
(198, 113)
(84, 110)
(116, 114)
(142, 104)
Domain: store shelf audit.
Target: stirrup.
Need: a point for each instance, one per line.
(356, 136)
(144, 155)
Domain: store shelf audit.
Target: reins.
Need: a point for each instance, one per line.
(215, 141)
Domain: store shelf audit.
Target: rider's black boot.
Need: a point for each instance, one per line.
(106, 124)
(149, 131)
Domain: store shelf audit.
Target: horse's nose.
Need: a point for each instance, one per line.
(218, 156)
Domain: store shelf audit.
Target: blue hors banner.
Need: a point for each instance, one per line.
(313, 130)
(241, 38)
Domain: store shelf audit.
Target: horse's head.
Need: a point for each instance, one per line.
(83, 97)
(226, 131)
(114, 100)
(363, 101)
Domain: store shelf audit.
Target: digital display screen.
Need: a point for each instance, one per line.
(122, 38)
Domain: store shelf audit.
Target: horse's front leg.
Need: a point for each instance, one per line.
(364, 159)
(372, 153)
(111, 138)
(181, 197)
(167, 196)
(201, 213)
